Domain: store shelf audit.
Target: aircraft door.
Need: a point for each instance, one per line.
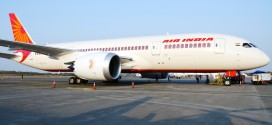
(156, 48)
(219, 46)
(237, 59)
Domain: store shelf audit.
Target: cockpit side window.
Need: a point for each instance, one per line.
(253, 45)
(247, 45)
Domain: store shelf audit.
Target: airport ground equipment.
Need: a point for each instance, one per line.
(261, 78)
(218, 80)
(54, 84)
(94, 87)
(132, 85)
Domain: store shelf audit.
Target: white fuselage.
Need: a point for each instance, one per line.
(173, 53)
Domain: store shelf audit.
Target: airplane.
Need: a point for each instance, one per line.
(152, 56)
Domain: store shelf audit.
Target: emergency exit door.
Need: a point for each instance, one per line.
(219, 46)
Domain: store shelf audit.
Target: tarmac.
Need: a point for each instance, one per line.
(32, 101)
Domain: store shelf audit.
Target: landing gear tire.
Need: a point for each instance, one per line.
(85, 81)
(79, 81)
(227, 82)
(72, 80)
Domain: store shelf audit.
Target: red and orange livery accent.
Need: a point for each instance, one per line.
(19, 32)
(20, 35)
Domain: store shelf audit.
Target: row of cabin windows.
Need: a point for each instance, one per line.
(191, 45)
(117, 48)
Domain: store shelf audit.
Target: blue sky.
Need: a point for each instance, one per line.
(51, 21)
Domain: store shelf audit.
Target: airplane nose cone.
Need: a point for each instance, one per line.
(265, 59)
(260, 59)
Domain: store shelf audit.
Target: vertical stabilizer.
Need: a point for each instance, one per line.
(20, 35)
(19, 32)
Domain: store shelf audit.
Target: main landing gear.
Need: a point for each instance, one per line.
(227, 81)
(75, 80)
(232, 78)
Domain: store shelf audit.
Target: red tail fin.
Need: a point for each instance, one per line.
(19, 32)
(20, 35)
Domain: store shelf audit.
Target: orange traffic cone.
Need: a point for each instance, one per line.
(54, 84)
(132, 85)
(94, 87)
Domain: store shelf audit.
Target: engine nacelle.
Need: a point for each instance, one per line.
(155, 75)
(98, 66)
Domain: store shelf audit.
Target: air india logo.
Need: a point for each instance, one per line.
(19, 31)
(20, 35)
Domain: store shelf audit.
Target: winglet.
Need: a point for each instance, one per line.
(19, 32)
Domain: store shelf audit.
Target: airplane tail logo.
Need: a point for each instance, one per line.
(20, 34)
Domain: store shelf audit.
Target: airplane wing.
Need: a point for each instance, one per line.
(47, 50)
(7, 56)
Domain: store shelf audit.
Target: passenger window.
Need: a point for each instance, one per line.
(191, 45)
(186, 45)
(246, 45)
(174, 46)
(195, 45)
(203, 45)
(182, 46)
(178, 46)
(208, 44)
(169, 46)
(165, 46)
(199, 45)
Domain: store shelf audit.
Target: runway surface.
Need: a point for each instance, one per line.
(34, 101)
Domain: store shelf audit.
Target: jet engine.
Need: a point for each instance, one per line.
(98, 66)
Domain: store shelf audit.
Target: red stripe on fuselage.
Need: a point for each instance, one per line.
(153, 70)
(174, 70)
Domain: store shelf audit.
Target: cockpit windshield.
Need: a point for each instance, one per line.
(247, 45)
(253, 45)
